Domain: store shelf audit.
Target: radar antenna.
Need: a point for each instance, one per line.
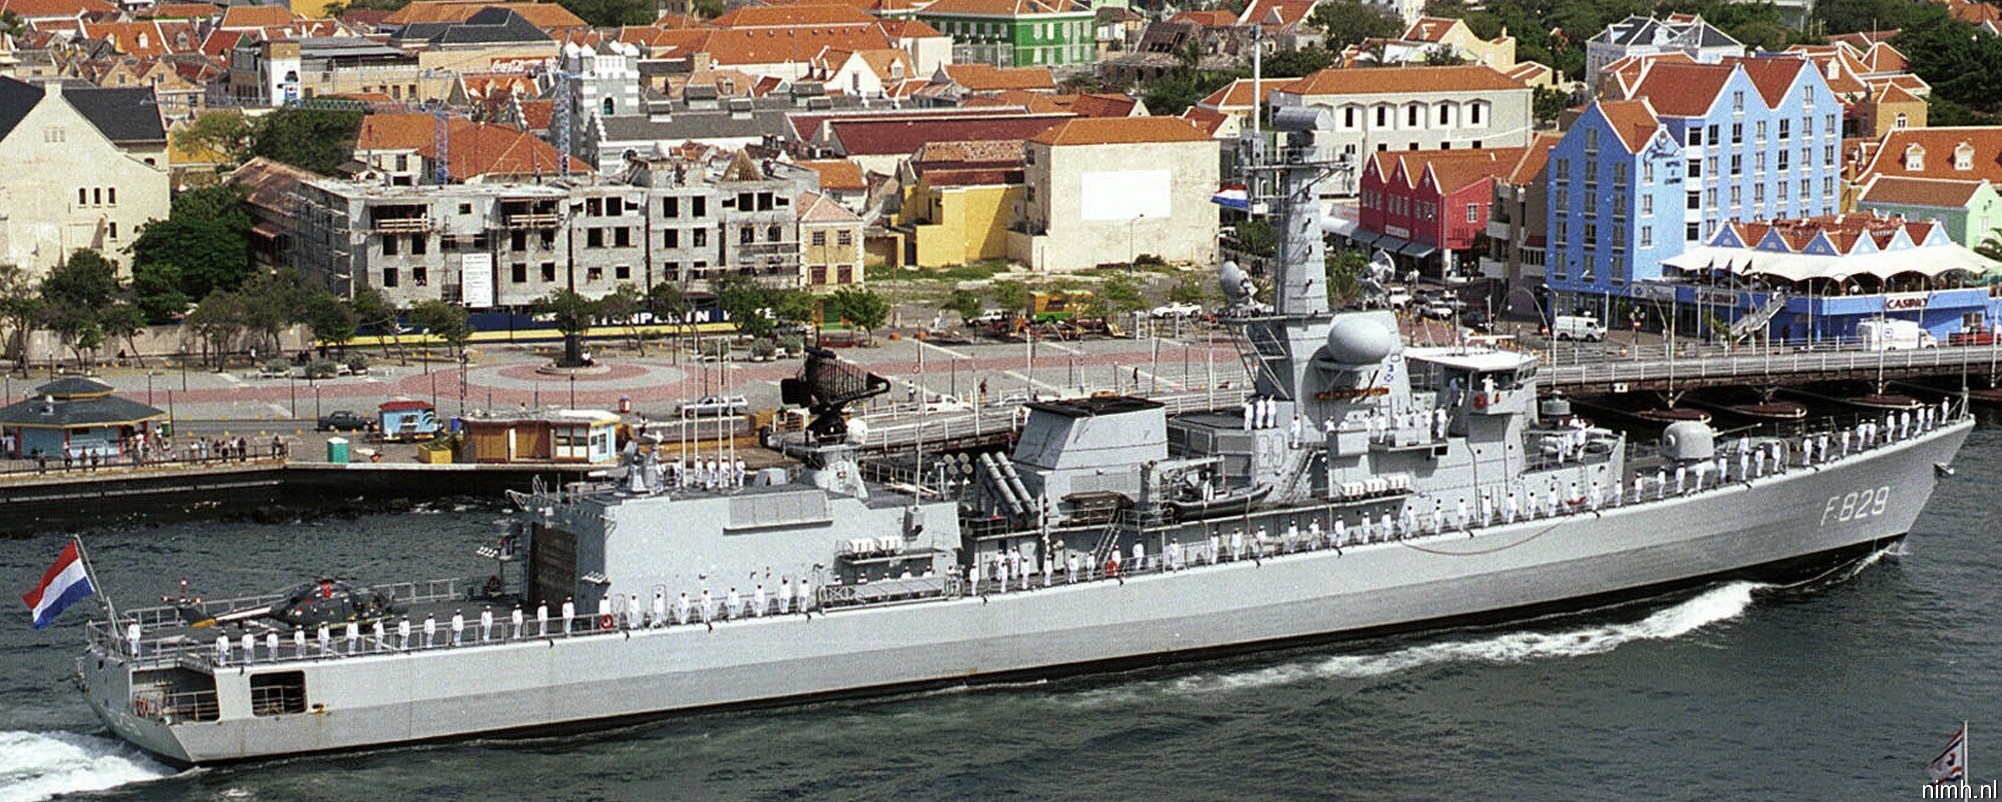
(824, 386)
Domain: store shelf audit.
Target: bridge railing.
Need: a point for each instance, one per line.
(1654, 363)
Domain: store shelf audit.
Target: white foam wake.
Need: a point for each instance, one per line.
(40, 765)
(1720, 603)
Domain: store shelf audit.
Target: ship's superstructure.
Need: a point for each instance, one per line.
(1363, 486)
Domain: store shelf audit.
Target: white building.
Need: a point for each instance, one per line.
(86, 167)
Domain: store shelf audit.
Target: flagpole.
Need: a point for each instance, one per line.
(97, 589)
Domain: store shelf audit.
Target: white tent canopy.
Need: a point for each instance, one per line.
(1931, 262)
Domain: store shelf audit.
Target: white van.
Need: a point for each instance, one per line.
(1577, 327)
(1887, 334)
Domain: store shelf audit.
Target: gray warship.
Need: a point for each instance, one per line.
(1364, 486)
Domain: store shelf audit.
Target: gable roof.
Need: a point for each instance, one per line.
(125, 115)
(1935, 192)
(1773, 75)
(243, 18)
(1633, 121)
(1120, 131)
(479, 149)
(1679, 30)
(1938, 145)
(1402, 80)
(1682, 89)
(737, 46)
(792, 15)
(493, 25)
(813, 207)
(32, 10)
(1533, 158)
(543, 15)
(1217, 18)
(1430, 29)
(837, 174)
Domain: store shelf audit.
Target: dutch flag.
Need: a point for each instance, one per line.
(66, 583)
(1951, 765)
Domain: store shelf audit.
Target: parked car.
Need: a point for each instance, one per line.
(1177, 310)
(1577, 327)
(342, 420)
(1396, 297)
(712, 405)
(1439, 310)
(1477, 320)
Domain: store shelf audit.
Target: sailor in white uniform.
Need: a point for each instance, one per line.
(1314, 534)
(271, 645)
(486, 623)
(1248, 415)
(604, 612)
(325, 638)
(375, 631)
(353, 637)
(1070, 568)
(298, 643)
(569, 613)
(250, 648)
(659, 608)
(805, 595)
(458, 627)
(542, 620)
(1438, 516)
(1460, 513)
(758, 601)
(1388, 532)
(133, 633)
(403, 635)
(1237, 544)
(785, 595)
(681, 609)
(1341, 536)
(708, 607)
(735, 604)
(222, 650)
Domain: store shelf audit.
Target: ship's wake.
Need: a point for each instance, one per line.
(1516, 645)
(43, 765)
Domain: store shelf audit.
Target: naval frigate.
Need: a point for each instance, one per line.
(1363, 486)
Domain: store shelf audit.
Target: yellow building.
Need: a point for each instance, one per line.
(958, 200)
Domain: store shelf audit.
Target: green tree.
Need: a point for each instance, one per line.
(964, 302)
(612, 13)
(11, 24)
(319, 140)
(156, 290)
(20, 309)
(1295, 63)
(218, 321)
(745, 301)
(1344, 273)
(1549, 104)
(122, 320)
(273, 301)
(622, 306)
(74, 296)
(1175, 92)
(1349, 22)
(332, 319)
(445, 321)
(1011, 295)
(1118, 295)
(226, 131)
(666, 302)
(205, 240)
(374, 313)
(572, 313)
(1193, 288)
(797, 307)
(862, 308)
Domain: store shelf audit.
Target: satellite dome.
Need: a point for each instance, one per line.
(1231, 280)
(1357, 340)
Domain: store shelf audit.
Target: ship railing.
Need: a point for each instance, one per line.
(884, 591)
(199, 705)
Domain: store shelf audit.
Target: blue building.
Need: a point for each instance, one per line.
(1674, 152)
(77, 417)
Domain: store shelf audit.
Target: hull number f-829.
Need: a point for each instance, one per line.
(1855, 506)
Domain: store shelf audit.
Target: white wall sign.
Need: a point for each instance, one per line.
(476, 280)
(1126, 194)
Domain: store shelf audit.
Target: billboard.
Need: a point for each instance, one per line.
(476, 280)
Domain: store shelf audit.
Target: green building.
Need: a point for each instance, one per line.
(1016, 33)
(1969, 210)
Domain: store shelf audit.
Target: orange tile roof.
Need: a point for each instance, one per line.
(837, 174)
(1882, 57)
(399, 130)
(479, 150)
(876, 7)
(219, 43)
(143, 39)
(1208, 121)
(1862, 40)
(1633, 120)
(1120, 131)
(735, 46)
(1103, 105)
(536, 114)
(1238, 94)
(792, 16)
(1402, 80)
(1893, 93)
(1904, 191)
(1208, 19)
(243, 18)
(1032, 101)
(1773, 75)
(1430, 29)
(1275, 14)
(908, 29)
(1532, 160)
(1004, 8)
(989, 78)
(186, 10)
(1682, 90)
(55, 9)
(1938, 144)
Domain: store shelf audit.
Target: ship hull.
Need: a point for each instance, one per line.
(1785, 523)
